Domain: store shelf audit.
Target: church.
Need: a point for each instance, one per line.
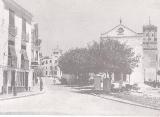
(145, 45)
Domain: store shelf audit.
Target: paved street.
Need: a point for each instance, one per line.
(64, 100)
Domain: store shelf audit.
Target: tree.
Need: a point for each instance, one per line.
(108, 56)
(111, 56)
(75, 62)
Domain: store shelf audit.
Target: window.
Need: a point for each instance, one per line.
(46, 62)
(124, 77)
(11, 43)
(56, 61)
(23, 25)
(55, 72)
(36, 55)
(46, 73)
(50, 61)
(155, 39)
(55, 53)
(42, 63)
(56, 68)
(11, 18)
(22, 79)
(23, 47)
(147, 34)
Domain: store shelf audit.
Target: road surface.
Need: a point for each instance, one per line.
(60, 100)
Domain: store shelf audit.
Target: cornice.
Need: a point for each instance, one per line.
(20, 11)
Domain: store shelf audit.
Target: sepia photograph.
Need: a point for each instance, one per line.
(80, 57)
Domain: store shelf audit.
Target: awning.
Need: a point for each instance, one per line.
(24, 53)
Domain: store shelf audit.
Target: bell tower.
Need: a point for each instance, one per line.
(150, 52)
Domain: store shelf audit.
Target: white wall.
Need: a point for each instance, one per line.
(4, 21)
(4, 16)
(28, 32)
(18, 25)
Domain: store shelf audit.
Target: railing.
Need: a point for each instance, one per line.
(36, 48)
(150, 47)
(149, 42)
(34, 63)
(12, 31)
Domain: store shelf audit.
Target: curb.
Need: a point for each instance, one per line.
(125, 101)
(22, 96)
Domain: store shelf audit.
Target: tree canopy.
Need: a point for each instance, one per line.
(74, 61)
(113, 56)
(103, 56)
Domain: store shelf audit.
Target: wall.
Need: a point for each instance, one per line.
(4, 16)
(18, 25)
(4, 20)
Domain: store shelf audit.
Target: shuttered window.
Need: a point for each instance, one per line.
(11, 18)
(23, 25)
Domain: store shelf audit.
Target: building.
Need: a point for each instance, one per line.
(35, 53)
(56, 54)
(150, 53)
(50, 64)
(16, 36)
(47, 64)
(145, 45)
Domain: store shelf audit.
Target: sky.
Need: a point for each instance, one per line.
(74, 23)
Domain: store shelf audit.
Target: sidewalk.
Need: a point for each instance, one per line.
(109, 97)
(33, 92)
(127, 98)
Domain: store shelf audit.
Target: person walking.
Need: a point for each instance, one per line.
(41, 84)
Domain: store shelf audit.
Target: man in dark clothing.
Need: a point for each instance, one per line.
(41, 84)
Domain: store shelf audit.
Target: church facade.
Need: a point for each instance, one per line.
(145, 45)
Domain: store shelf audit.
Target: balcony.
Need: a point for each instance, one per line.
(37, 48)
(150, 46)
(25, 64)
(149, 43)
(35, 63)
(25, 37)
(12, 32)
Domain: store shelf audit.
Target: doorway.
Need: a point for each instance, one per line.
(5, 82)
(26, 81)
(13, 81)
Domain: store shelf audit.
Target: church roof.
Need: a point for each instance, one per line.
(121, 31)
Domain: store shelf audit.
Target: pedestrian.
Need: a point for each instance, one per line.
(41, 84)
